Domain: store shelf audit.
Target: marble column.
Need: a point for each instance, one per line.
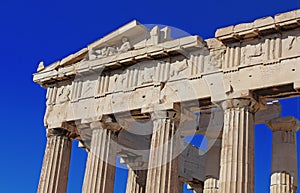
(237, 153)
(136, 181)
(212, 166)
(163, 173)
(195, 187)
(55, 169)
(284, 177)
(101, 161)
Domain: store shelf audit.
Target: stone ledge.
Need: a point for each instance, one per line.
(260, 27)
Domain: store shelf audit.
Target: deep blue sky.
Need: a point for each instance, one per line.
(35, 30)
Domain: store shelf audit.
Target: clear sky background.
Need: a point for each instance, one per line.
(36, 30)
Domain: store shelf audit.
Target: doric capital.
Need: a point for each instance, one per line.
(111, 128)
(96, 125)
(284, 124)
(164, 115)
(58, 132)
(106, 124)
(251, 104)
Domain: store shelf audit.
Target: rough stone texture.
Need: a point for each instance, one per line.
(54, 175)
(136, 181)
(237, 154)
(100, 166)
(284, 175)
(163, 172)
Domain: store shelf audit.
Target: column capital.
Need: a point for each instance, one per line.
(96, 125)
(107, 124)
(58, 132)
(289, 123)
(249, 103)
(164, 114)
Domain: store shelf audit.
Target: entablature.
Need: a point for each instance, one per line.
(138, 75)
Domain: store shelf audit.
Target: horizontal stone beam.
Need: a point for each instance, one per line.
(136, 134)
(210, 122)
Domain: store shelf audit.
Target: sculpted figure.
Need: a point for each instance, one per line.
(106, 51)
(125, 45)
(101, 53)
(64, 95)
(179, 67)
(112, 50)
(147, 76)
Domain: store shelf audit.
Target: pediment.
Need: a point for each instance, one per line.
(130, 43)
(134, 34)
(133, 30)
(131, 36)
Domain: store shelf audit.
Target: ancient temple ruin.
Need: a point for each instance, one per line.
(138, 92)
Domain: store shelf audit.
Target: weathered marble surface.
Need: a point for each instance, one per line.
(138, 89)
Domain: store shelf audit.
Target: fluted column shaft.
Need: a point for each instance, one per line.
(136, 181)
(284, 177)
(100, 166)
(55, 169)
(237, 154)
(163, 174)
(212, 166)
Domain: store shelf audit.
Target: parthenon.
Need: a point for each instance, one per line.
(137, 92)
